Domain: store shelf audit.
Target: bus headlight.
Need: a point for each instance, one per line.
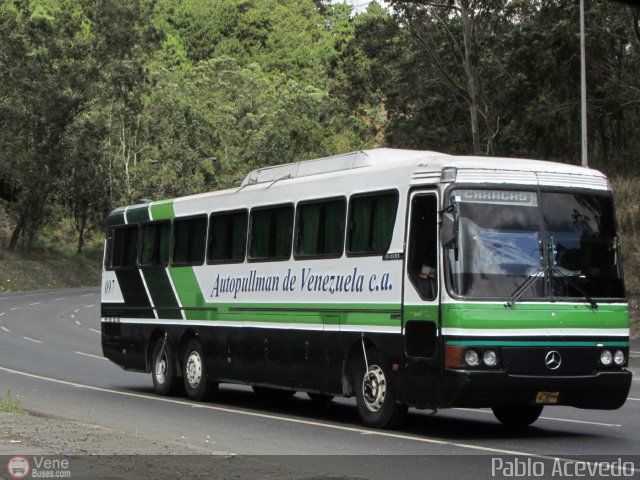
(606, 358)
(490, 358)
(471, 358)
(618, 357)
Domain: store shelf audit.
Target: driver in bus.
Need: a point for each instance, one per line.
(427, 282)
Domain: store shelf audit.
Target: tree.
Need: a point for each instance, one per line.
(456, 30)
(58, 59)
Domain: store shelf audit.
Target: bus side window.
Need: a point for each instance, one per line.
(189, 238)
(125, 247)
(271, 233)
(155, 244)
(320, 228)
(227, 237)
(371, 221)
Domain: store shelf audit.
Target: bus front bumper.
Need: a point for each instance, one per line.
(605, 390)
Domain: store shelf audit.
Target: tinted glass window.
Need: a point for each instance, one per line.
(125, 247)
(422, 262)
(155, 244)
(583, 245)
(371, 222)
(499, 243)
(321, 228)
(189, 237)
(525, 245)
(227, 237)
(271, 230)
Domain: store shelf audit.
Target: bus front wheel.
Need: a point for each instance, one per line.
(375, 395)
(163, 369)
(194, 373)
(517, 416)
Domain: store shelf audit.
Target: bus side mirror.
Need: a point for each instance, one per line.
(448, 230)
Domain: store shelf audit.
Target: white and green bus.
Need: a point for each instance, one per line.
(403, 278)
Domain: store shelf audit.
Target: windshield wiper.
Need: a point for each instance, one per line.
(519, 291)
(556, 272)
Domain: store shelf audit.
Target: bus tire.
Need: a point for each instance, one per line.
(163, 369)
(375, 395)
(517, 416)
(195, 374)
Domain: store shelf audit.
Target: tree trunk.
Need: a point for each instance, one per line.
(15, 236)
(469, 71)
(81, 229)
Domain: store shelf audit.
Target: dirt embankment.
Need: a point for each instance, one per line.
(95, 452)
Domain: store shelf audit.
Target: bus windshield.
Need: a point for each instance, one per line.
(566, 241)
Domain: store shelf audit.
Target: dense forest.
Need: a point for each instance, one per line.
(104, 103)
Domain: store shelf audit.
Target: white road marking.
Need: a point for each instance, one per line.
(280, 418)
(58, 299)
(89, 306)
(550, 418)
(14, 309)
(569, 420)
(2, 314)
(90, 355)
(88, 295)
(32, 340)
(5, 329)
(78, 323)
(95, 331)
(34, 304)
(38, 294)
(634, 399)
(76, 310)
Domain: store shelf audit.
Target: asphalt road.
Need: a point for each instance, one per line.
(50, 355)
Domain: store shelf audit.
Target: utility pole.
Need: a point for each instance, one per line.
(583, 89)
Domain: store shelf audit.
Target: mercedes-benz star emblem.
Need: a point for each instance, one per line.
(553, 360)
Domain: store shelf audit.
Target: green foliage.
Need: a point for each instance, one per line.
(8, 404)
(524, 62)
(58, 60)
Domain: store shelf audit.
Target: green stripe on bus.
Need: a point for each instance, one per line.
(188, 289)
(543, 315)
(162, 210)
(525, 343)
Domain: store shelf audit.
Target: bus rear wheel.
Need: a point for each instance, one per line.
(163, 369)
(375, 395)
(195, 374)
(517, 416)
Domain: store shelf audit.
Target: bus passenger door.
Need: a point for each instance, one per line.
(421, 376)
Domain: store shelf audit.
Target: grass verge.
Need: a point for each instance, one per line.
(8, 404)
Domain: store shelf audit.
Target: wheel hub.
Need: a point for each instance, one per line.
(194, 369)
(161, 369)
(374, 388)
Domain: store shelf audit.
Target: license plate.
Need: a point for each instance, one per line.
(547, 398)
